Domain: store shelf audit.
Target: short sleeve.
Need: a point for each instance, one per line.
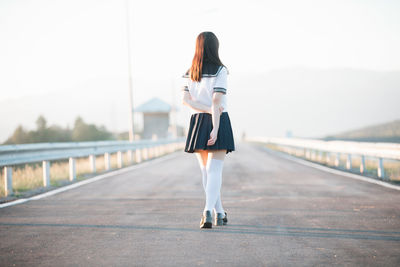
(185, 82)
(221, 81)
(185, 86)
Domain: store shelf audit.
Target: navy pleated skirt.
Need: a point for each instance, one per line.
(199, 132)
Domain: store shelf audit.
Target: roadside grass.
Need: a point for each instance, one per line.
(28, 177)
(391, 167)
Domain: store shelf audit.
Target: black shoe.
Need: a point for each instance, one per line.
(206, 220)
(225, 219)
(219, 219)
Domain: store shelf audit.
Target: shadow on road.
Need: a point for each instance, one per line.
(245, 230)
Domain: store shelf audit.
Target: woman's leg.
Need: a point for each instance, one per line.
(214, 180)
(202, 156)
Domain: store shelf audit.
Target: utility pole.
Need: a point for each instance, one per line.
(128, 35)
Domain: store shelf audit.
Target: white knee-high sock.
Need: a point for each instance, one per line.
(204, 176)
(214, 181)
(218, 205)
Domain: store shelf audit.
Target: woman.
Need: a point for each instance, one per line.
(210, 134)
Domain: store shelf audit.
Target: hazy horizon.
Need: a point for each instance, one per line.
(281, 105)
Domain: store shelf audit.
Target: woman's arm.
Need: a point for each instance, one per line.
(215, 112)
(187, 100)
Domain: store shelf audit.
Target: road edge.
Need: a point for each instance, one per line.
(331, 170)
(91, 180)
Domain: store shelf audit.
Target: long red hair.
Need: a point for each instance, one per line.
(206, 51)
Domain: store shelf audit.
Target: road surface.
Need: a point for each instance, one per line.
(281, 213)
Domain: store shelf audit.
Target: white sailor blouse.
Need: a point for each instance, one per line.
(213, 79)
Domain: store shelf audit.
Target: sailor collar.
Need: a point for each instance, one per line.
(209, 70)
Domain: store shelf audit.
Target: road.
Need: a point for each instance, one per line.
(281, 213)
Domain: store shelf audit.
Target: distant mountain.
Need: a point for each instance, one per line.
(312, 103)
(307, 102)
(386, 132)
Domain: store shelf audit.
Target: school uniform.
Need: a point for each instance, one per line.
(213, 79)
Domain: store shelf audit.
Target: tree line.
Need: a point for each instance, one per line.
(81, 131)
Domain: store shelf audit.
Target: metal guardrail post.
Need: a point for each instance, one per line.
(381, 170)
(311, 150)
(92, 162)
(7, 171)
(107, 161)
(362, 164)
(119, 159)
(348, 162)
(337, 160)
(72, 169)
(11, 155)
(46, 173)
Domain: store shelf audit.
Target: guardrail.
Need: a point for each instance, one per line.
(137, 151)
(314, 150)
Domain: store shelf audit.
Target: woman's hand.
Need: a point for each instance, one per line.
(213, 137)
(216, 109)
(221, 109)
(186, 98)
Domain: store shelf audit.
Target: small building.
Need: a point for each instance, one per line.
(155, 118)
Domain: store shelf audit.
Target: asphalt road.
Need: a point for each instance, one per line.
(281, 213)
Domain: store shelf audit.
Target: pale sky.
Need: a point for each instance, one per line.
(80, 48)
